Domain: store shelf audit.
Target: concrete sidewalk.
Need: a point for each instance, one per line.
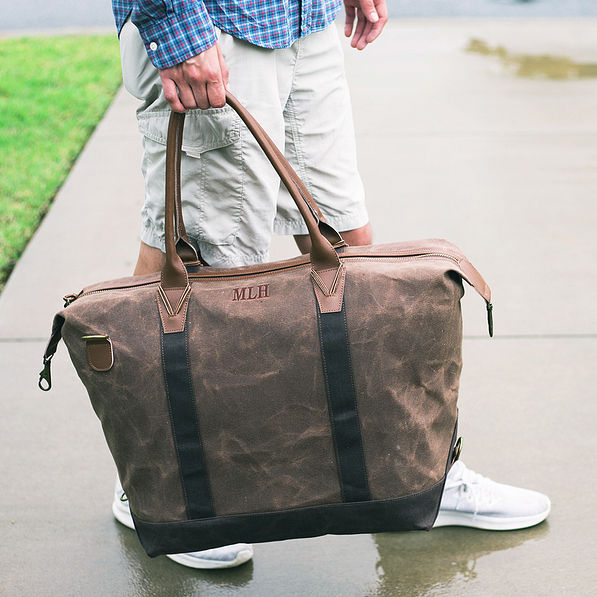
(450, 145)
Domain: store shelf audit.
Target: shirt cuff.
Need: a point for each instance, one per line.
(177, 36)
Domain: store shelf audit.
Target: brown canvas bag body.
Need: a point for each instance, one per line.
(291, 399)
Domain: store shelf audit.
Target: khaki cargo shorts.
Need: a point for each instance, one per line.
(232, 198)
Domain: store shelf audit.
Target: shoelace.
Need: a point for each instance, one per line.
(474, 487)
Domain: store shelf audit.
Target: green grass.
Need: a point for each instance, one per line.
(53, 92)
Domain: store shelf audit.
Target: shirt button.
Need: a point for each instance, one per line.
(153, 46)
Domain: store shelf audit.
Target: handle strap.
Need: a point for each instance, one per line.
(174, 275)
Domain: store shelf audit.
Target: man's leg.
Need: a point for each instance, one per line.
(356, 238)
(227, 229)
(150, 260)
(320, 142)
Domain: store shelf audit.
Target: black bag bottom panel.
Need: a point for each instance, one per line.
(408, 513)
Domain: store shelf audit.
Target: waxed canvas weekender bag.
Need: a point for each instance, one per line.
(290, 399)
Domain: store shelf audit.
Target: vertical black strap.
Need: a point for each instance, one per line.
(342, 404)
(185, 425)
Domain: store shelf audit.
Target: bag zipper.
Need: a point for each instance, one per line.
(45, 382)
(70, 298)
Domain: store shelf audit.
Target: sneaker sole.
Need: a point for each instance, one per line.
(124, 517)
(193, 562)
(489, 523)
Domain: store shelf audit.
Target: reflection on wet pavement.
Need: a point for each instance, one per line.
(442, 561)
(535, 65)
(161, 576)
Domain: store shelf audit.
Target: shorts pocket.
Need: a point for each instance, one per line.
(211, 170)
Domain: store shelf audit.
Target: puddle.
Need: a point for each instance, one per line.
(545, 66)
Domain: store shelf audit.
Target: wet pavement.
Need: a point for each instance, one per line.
(451, 144)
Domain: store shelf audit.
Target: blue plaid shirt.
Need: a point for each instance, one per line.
(174, 30)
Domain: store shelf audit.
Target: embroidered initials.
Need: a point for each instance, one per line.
(248, 293)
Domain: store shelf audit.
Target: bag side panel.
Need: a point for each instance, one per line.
(405, 333)
(130, 398)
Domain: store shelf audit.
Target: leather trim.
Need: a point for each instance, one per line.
(474, 278)
(408, 513)
(331, 299)
(173, 304)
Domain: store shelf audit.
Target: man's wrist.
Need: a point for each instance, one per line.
(176, 37)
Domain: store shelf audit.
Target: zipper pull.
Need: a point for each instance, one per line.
(45, 375)
(490, 319)
(69, 298)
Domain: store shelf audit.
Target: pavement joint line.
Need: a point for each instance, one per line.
(34, 340)
(533, 337)
(480, 135)
(22, 340)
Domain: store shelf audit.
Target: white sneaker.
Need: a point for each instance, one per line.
(471, 500)
(228, 556)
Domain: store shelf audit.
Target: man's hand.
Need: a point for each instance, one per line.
(372, 16)
(199, 82)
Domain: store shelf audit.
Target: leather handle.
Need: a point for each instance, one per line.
(174, 275)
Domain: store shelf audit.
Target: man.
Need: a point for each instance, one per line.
(284, 63)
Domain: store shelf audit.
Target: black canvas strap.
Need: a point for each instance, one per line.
(342, 404)
(185, 425)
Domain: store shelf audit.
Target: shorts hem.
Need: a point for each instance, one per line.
(212, 254)
(151, 237)
(215, 259)
(339, 223)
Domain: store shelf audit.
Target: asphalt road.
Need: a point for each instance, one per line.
(41, 14)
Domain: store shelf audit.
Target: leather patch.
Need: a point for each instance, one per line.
(100, 353)
(172, 305)
(328, 285)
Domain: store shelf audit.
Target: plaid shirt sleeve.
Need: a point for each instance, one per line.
(173, 30)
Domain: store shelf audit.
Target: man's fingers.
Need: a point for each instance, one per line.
(349, 23)
(198, 82)
(216, 94)
(171, 95)
(374, 31)
(199, 90)
(362, 41)
(207, 86)
(377, 28)
(186, 95)
(361, 22)
(369, 10)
